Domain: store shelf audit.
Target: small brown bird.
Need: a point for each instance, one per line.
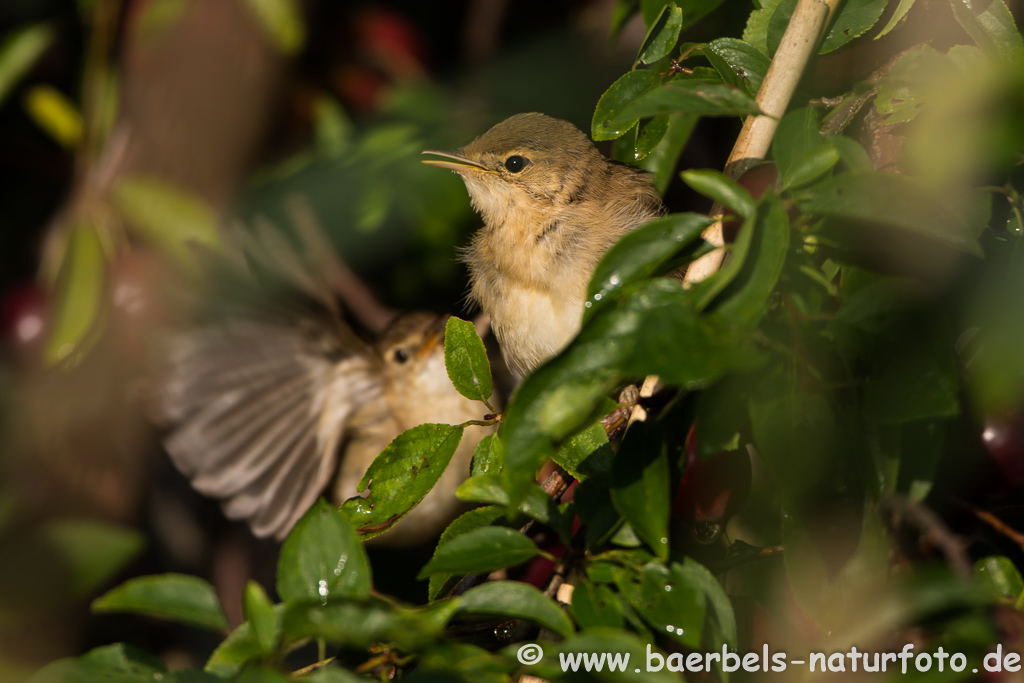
(269, 404)
(552, 205)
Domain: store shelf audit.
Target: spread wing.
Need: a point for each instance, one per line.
(257, 410)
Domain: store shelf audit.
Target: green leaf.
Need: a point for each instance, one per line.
(810, 166)
(721, 189)
(642, 334)
(181, 598)
(796, 145)
(107, 663)
(93, 552)
(1000, 577)
(54, 113)
(465, 359)
(755, 32)
(401, 475)
(686, 95)
(614, 641)
(19, 52)
(744, 301)
(697, 574)
(594, 605)
(282, 22)
(606, 124)
(640, 485)
(853, 19)
(239, 648)
(993, 29)
(916, 382)
(891, 200)
(672, 602)
(536, 505)
(661, 161)
(361, 624)
(517, 601)
(650, 133)
(897, 16)
(474, 519)
(587, 453)
(167, 216)
(481, 550)
(78, 297)
(641, 253)
(738, 63)
(662, 35)
(488, 456)
(259, 612)
(322, 559)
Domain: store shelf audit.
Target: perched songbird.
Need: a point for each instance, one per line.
(552, 205)
(272, 403)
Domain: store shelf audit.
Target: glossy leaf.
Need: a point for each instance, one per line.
(687, 96)
(488, 489)
(853, 19)
(594, 605)
(738, 63)
(588, 452)
(474, 519)
(465, 359)
(661, 161)
(481, 550)
(650, 133)
(515, 600)
(607, 123)
(322, 559)
(640, 254)
(260, 614)
(78, 296)
(662, 35)
(640, 485)
(181, 598)
(401, 475)
(898, 16)
(488, 456)
(720, 606)
(19, 52)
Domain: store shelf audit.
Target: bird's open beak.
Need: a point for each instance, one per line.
(434, 336)
(457, 161)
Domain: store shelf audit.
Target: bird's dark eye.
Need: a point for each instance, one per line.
(401, 355)
(515, 163)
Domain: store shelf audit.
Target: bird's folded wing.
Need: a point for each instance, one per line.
(246, 402)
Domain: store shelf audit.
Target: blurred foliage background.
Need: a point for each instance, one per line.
(855, 374)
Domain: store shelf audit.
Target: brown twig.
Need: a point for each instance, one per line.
(999, 525)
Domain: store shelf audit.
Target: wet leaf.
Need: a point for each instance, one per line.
(517, 601)
(662, 35)
(650, 133)
(672, 602)
(466, 360)
(400, 476)
(640, 254)
(177, 597)
(640, 485)
(488, 456)
(738, 63)
(607, 123)
(322, 559)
